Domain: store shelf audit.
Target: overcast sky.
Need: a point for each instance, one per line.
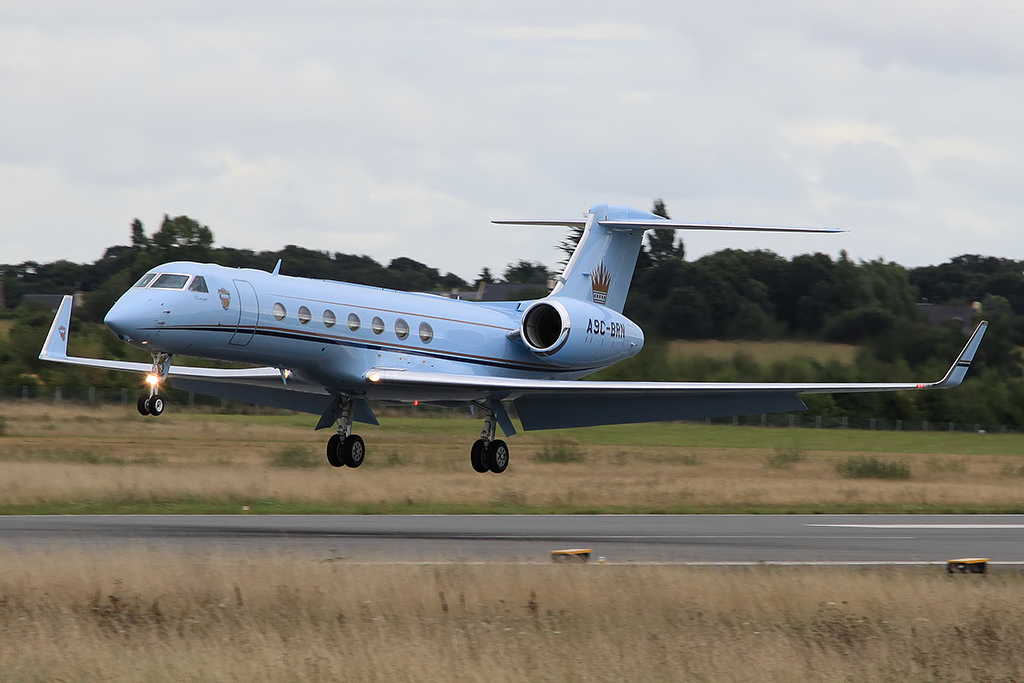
(398, 128)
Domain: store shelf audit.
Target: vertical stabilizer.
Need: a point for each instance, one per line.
(601, 267)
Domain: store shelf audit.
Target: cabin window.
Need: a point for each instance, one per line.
(168, 281)
(329, 318)
(145, 280)
(279, 311)
(401, 328)
(198, 285)
(426, 333)
(353, 322)
(304, 315)
(377, 324)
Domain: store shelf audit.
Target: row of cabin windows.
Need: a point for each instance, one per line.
(173, 281)
(354, 323)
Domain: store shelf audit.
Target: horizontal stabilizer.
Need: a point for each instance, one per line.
(659, 224)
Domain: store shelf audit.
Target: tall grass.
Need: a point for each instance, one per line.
(114, 459)
(781, 458)
(296, 456)
(560, 451)
(863, 467)
(156, 617)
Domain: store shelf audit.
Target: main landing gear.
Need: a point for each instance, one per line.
(489, 454)
(346, 449)
(153, 404)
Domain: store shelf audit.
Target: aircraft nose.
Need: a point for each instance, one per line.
(123, 321)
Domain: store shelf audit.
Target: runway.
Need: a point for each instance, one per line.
(726, 539)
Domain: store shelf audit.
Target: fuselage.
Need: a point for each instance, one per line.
(333, 333)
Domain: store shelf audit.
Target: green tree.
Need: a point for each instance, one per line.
(526, 273)
(661, 242)
(183, 238)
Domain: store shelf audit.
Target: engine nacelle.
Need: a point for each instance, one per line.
(573, 333)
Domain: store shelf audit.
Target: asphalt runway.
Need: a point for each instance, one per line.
(729, 539)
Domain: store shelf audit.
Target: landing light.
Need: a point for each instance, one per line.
(152, 379)
(373, 377)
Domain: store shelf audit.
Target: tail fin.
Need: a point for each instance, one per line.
(601, 267)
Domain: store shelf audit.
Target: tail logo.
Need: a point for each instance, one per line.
(63, 331)
(600, 282)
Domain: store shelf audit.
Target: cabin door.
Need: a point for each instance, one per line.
(248, 313)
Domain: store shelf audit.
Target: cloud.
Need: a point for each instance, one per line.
(401, 128)
(867, 171)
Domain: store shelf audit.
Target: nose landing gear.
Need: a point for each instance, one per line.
(346, 449)
(153, 404)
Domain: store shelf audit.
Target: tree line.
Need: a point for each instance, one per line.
(731, 294)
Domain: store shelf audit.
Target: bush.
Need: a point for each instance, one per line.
(1008, 470)
(560, 451)
(862, 467)
(784, 457)
(294, 457)
(3, 425)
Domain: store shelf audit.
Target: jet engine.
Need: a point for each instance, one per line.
(574, 333)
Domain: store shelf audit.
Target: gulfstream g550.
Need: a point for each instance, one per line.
(330, 348)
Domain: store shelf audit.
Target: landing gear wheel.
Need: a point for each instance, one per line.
(497, 456)
(353, 450)
(143, 405)
(334, 451)
(477, 456)
(156, 405)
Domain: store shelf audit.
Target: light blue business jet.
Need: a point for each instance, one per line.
(330, 348)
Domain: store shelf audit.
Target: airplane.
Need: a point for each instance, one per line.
(330, 348)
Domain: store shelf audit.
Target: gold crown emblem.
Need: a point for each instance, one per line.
(600, 281)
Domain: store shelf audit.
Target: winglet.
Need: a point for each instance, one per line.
(959, 369)
(56, 345)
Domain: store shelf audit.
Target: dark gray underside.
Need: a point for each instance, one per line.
(556, 411)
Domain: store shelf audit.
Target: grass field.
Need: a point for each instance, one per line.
(156, 617)
(71, 459)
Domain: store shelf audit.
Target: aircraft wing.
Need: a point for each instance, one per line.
(554, 404)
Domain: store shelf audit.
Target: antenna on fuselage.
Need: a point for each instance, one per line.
(277, 268)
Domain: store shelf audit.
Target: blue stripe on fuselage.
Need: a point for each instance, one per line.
(369, 346)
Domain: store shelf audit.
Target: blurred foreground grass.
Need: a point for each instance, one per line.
(164, 616)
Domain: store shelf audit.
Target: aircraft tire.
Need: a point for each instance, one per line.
(353, 450)
(497, 456)
(156, 405)
(334, 451)
(143, 405)
(477, 456)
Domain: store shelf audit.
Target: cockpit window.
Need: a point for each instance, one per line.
(145, 280)
(198, 285)
(169, 281)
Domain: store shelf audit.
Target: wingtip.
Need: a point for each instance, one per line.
(962, 364)
(56, 344)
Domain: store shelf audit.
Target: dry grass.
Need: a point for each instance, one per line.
(112, 454)
(765, 352)
(148, 616)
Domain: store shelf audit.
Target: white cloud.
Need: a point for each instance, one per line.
(401, 128)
